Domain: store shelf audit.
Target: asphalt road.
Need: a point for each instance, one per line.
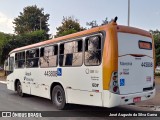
(10, 101)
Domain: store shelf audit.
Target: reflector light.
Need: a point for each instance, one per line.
(114, 77)
(115, 88)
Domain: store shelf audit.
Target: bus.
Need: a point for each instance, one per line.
(107, 66)
(6, 67)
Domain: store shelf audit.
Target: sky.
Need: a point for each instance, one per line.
(145, 14)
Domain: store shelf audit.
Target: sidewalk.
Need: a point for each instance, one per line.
(156, 100)
(2, 77)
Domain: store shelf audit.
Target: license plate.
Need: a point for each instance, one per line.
(137, 99)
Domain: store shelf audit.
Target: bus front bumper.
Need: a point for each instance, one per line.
(112, 100)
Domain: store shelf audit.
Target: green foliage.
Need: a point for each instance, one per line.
(69, 26)
(67, 32)
(28, 30)
(33, 37)
(93, 23)
(157, 74)
(3, 39)
(156, 37)
(23, 40)
(31, 19)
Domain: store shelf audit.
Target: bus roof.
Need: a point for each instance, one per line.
(120, 28)
(133, 30)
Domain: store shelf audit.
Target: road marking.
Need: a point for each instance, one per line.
(4, 82)
(152, 107)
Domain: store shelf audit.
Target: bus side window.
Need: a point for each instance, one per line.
(11, 64)
(37, 53)
(77, 55)
(93, 51)
(16, 56)
(20, 60)
(49, 56)
(56, 50)
(61, 48)
(41, 52)
(71, 54)
(80, 46)
(61, 56)
(86, 45)
(32, 58)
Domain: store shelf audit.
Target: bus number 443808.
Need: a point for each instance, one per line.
(147, 64)
(50, 73)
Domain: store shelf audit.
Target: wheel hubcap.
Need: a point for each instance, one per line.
(59, 97)
(19, 88)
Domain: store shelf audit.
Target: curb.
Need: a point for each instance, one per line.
(4, 82)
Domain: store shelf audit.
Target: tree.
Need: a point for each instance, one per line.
(22, 40)
(93, 23)
(156, 37)
(3, 39)
(69, 25)
(105, 21)
(31, 19)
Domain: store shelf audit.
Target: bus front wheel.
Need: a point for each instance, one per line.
(19, 89)
(58, 97)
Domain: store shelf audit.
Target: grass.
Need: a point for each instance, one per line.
(2, 77)
(2, 73)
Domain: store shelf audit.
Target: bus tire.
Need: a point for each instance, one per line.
(19, 89)
(58, 97)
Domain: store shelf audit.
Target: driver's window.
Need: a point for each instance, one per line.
(11, 64)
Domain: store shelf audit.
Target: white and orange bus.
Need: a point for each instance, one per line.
(106, 66)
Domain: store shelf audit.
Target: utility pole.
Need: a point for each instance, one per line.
(128, 12)
(40, 22)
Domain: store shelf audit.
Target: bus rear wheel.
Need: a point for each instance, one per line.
(19, 89)
(58, 97)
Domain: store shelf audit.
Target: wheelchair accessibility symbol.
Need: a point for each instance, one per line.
(59, 71)
(122, 82)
